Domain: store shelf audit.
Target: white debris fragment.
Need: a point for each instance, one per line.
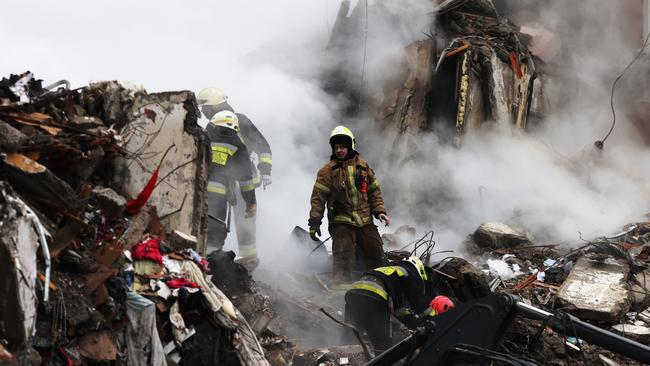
(500, 268)
(549, 262)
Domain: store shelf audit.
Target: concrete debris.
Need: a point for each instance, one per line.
(498, 235)
(18, 270)
(597, 290)
(111, 203)
(127, 272)
(178, 240)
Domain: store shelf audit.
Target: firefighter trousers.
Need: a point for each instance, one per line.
(344, 239)
(217, 220)
(371, 315)
(246, 229)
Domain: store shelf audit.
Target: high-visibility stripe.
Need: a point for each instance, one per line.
(370, 286)
(246, 250)
(348, 219)
(353, 187)
(248, 185)
(431, 312)
(322, 187)
(266, 158)
(373, 186)
(389, 270)
(216, 187)
(224, 147)
(354, 193)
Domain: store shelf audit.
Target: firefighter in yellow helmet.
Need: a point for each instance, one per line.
(230, 166)
(348, 188)
(213, 101)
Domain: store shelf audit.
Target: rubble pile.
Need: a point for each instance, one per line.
(103, 236)
(602, 281)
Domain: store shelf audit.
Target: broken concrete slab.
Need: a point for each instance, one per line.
(597, 290)
(637, 332)
(18, 272)
(178, 240)
(167, 122)
(111, 203)
(498, 235)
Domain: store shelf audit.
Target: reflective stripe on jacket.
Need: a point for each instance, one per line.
(340, 187)
(230, 163)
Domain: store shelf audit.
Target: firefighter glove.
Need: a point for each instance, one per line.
(251, 210)
(314, 232)
(266, 180)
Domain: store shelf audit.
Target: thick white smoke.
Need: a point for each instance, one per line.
(549, 181)
(266, 56)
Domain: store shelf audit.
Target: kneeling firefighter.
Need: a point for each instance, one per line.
(230, 165)
(402, 290)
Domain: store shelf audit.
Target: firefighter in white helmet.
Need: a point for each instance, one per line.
(212, 101)
(230, 167)
(350, 191)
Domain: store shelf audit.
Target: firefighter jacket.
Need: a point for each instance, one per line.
(399, 285)
(349, 190)
(255, 142)
(230, 164)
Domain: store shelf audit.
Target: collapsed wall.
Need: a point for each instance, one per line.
(109, 181)
(163, 133)
(472, 69)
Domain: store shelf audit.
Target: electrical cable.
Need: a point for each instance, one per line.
(601, 143)
(365, 52)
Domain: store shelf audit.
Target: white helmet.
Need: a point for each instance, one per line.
(226, 119)
(419, 266)
(211, 96)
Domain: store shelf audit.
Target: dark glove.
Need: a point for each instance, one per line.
(411, 321)
(314, 233)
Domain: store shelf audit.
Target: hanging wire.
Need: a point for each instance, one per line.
(327, 18)
(601, 143)
(365, 53)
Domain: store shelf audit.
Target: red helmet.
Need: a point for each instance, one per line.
(441, 304)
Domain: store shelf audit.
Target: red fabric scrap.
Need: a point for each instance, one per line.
(147, 250)
(135, 204)
(182, 282)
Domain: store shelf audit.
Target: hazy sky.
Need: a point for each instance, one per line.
(163, 45)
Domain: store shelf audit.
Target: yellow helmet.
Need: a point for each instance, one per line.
(211, 96)
(342, 134)
(419, 266)
(226, 119)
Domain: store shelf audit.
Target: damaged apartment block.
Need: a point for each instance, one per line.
(472, 68)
